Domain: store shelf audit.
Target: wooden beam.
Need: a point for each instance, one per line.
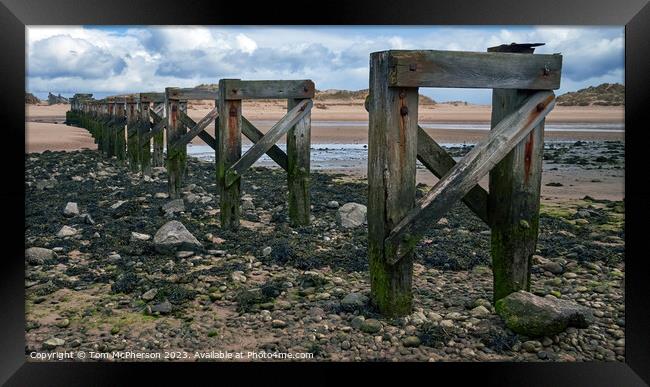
(228, 151)
(191, 93)
(439, 162)
(255, 135)
(176, 156)
(119, 132)
(238, 89)
(298, 152)
(513, 207)
(207, 138)
(152, 97)
(144, 139)
(297, 113)
(132, 123)
(158, 136)
(194, 127)
(506, 70)
(460, 179)
(392, 151)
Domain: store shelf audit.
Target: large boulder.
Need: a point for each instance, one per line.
(352, 215)
(531, 315)
(173, 236)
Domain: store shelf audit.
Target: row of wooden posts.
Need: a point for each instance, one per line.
(512, 153)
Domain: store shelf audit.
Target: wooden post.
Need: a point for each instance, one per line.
(175, 156)
(120, 142)
(182, 104)
(228, 152)
(158, 144)
(132, 147)
(513, 204)
(392, 151)
(145, 145)
(110, 116)
(298, 155)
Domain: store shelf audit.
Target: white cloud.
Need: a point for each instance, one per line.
(116, 60)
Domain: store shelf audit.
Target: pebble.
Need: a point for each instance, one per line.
(411, 341)
(53, 343)
(71, 209)
(370, 326)
(278, 324)
(267, 251)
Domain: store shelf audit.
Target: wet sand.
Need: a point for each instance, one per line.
(43, 133)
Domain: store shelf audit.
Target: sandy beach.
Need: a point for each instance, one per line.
(346, 123)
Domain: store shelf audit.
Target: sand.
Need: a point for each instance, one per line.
(264, 113)
(44, 130)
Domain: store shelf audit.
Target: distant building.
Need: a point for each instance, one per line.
(54, 99)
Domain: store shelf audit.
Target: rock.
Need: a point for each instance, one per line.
(63, 323)
(66, 231)
(352, 215)
(357, 321)
(370, 326)
(238, 276)
(53, 343)
(353, 301)
(247, 205)
(45, 184)
(173, 236)
(164, 307)
(479, 311)
(192, 198)
(447, 324)
(266, 251)
(411, 341)
(38, 255)
(278, 324)
(531, 346)
(174, 206)
(149, 294)
(122, 208)
(345, 345)
(136, 236)
(87, 219)
(531, 315)
(71, 209)
(333, 204)
(161, 195)
(553, 267)
(184, 254)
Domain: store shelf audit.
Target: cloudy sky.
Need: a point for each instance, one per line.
(112, 60)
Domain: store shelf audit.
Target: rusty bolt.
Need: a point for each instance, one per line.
(234, 91)
(540, 107)
(412, 67)
(404, 111)
(233, 111)
(305, 88)
(402, 94)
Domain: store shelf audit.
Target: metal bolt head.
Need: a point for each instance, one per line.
(404, 111)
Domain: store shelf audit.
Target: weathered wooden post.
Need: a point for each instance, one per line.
(298, 154)
(515, 193)
(109, 142)
(144, 142)
(228, 152)
(132, 146)
(159, 140)
(119, 135)
(176, 156)
(392, 151)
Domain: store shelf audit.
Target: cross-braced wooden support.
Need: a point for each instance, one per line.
(178, 136)
(395, 221)
(231, 165)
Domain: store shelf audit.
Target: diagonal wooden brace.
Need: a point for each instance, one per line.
(255, 135)
(266, 142)
(196, 128)
(439, 162)
(463, 176)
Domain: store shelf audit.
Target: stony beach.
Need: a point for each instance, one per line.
(112, 264)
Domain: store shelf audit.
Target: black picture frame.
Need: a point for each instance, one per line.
(634, 14)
